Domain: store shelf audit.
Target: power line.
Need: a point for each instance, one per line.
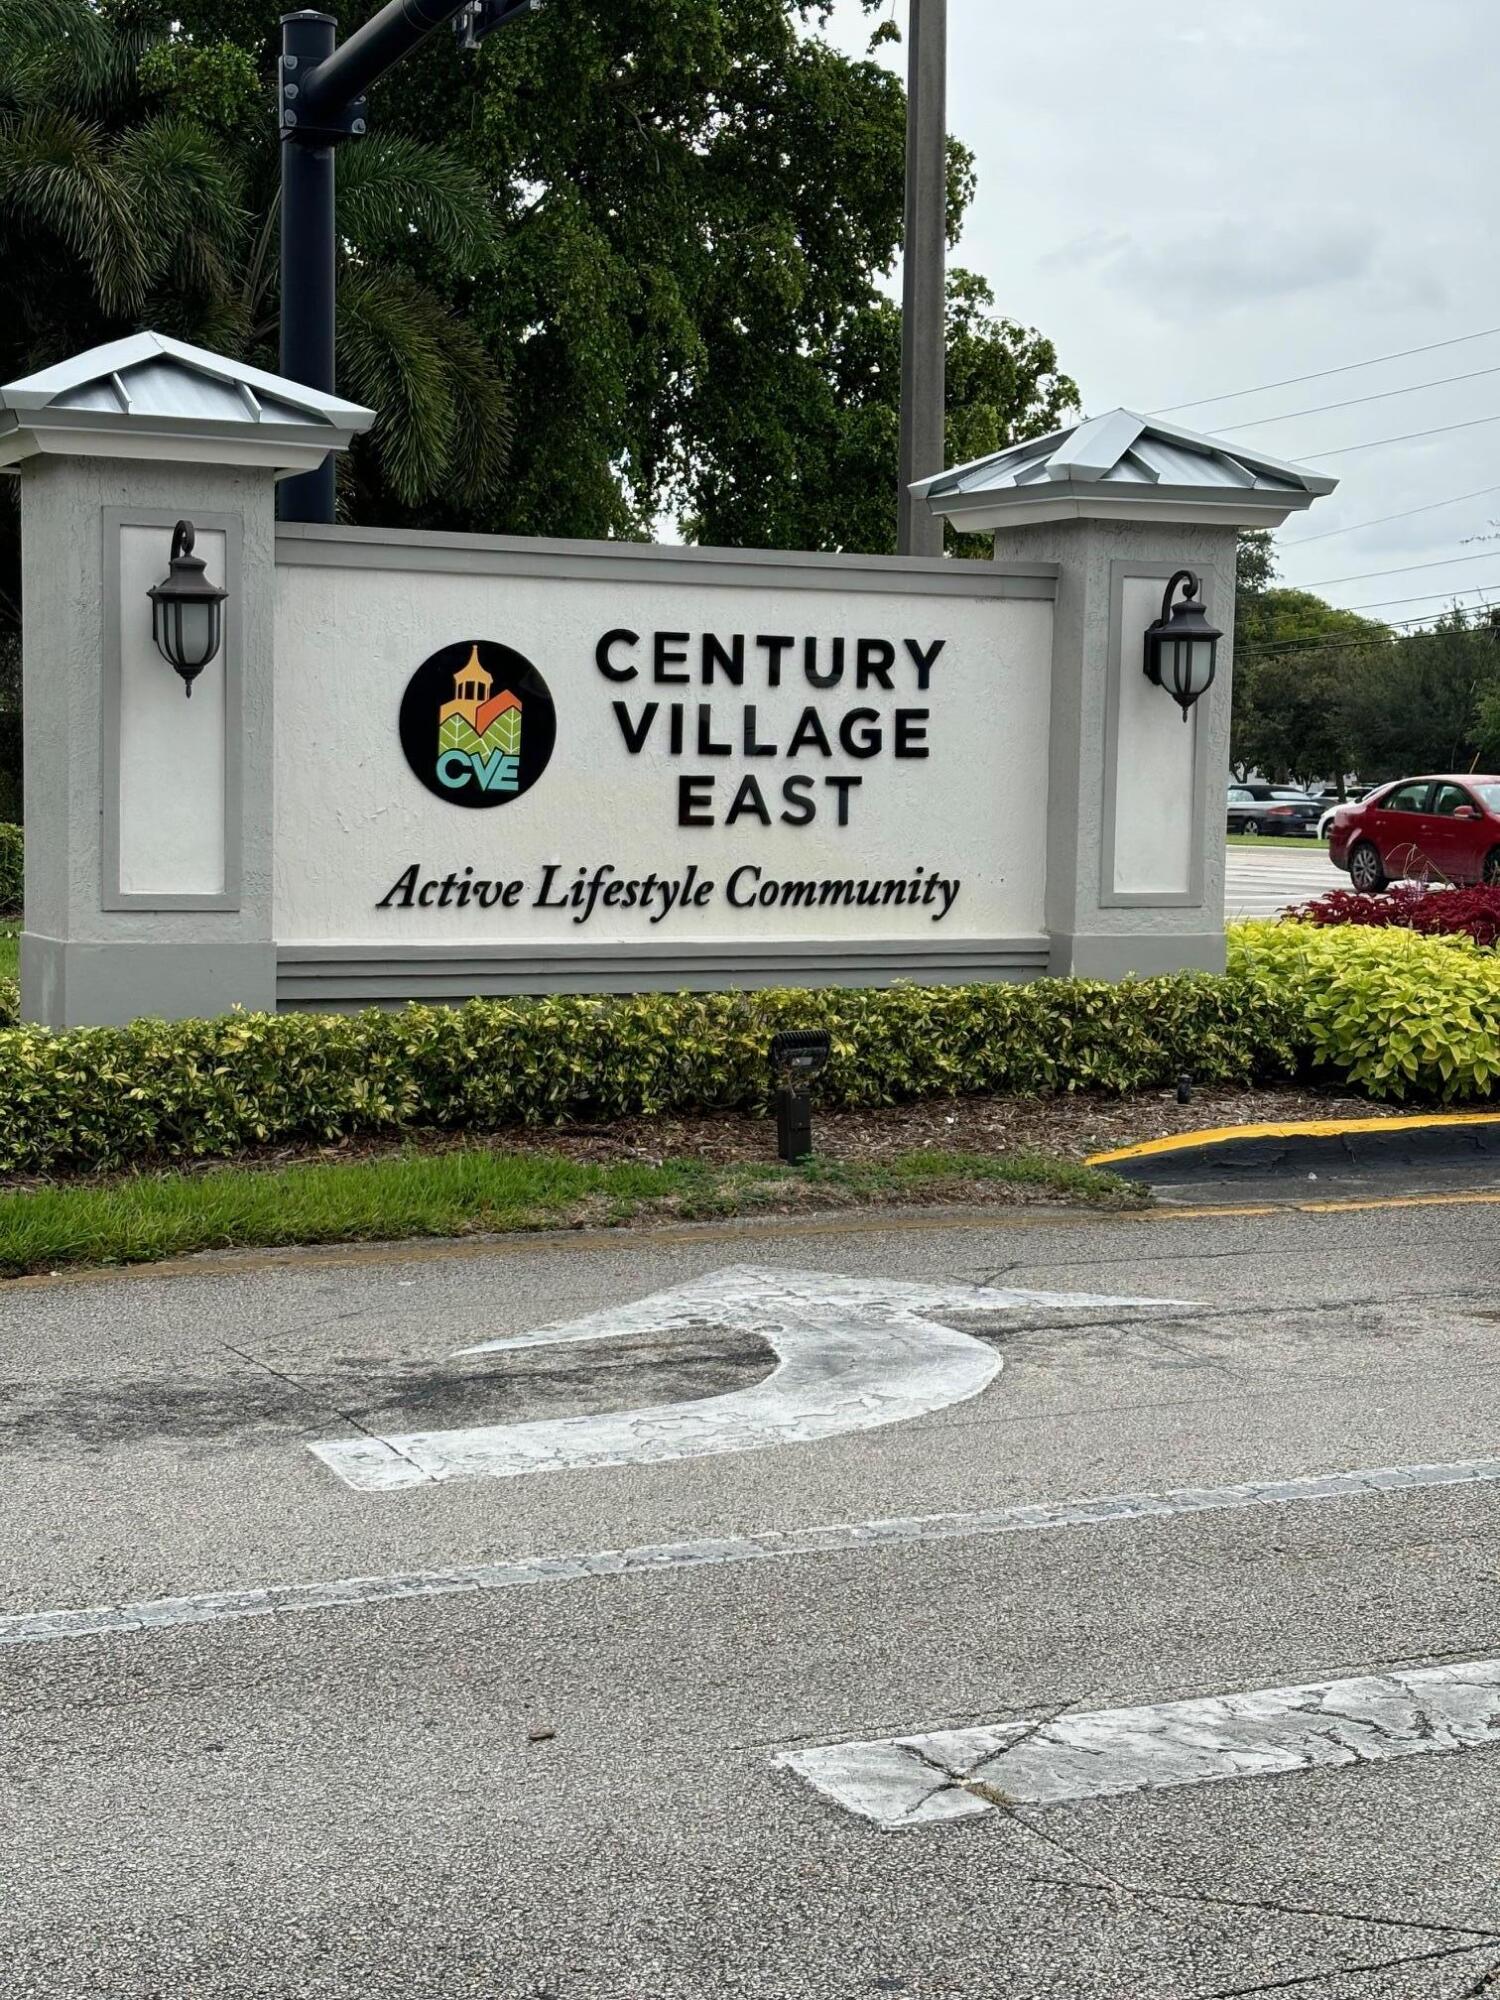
(1421, 597)
(1322, 374)
(1381, 396)
(1367, 575)
(1352, 642)
(1382, 520)
(1406, 437)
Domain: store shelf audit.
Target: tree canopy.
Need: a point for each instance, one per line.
(1320, 693)
(624, 261)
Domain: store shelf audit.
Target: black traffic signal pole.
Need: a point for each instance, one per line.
(321, 102)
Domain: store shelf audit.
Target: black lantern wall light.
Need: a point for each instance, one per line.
(187, 611)
(1182, 648)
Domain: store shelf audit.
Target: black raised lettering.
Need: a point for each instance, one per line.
(695, 801)
(911, 732)
(728, 660)
(873, 660)
(635, 733)
(670, 650)
(606, 646)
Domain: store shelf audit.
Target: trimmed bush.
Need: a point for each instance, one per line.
(1398, 1014)
(103, 1097)
(1394, 1013)
(1472, 913)
(12, 870)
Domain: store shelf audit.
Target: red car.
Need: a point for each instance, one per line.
(1421, 829)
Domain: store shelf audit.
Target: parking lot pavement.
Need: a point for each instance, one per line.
(1262, 882)
(1205, 1566)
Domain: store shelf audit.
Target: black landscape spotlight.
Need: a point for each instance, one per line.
(797, 1056)
(1181, 646)
(187, 611)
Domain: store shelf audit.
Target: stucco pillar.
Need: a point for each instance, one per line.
(1135, 819)
(149, 815)
(1135, 816)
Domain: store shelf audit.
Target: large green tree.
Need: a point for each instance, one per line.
(1321, 692)
(1294, 658)
(631, 260)
(695, 204)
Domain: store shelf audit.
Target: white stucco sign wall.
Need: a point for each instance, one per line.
(609, 759)
(442, 766)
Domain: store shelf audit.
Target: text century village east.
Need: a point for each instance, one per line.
(717, 728)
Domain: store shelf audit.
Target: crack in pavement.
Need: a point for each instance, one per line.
(1340, 1972)
(320, 1402)
(1481, 1933)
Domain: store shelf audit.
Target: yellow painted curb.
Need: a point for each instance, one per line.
(1307, 1128)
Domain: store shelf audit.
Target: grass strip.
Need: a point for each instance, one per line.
(143, 1217)
(10, 949)
(1304, 843)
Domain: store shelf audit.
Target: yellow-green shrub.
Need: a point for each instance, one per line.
(1398, 1014)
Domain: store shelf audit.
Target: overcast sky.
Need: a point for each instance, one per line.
(1192, 199)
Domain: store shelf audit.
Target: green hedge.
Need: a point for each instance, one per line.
(1397, 1014)
(10, 1002)
(99, 1097)
(12, 870)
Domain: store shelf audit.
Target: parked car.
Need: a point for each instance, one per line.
(1261, 808)
(1331, 805)
(1443, 829)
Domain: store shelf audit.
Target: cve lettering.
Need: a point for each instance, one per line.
(497, 772)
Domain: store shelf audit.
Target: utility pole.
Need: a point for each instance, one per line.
(924, 315)
(321, 104)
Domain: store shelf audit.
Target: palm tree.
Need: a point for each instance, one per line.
(138, 187)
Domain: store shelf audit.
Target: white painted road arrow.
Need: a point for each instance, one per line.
(852, 1353)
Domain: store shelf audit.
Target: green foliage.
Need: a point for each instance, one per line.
(1295, 658)
(10, 1001)
(689, 208)
(214, 83)
(139, 186)
(1319, 692)
(1397, 1014)
(470, 1190)
(12, 870)
(101, 1097)
(1418, 703)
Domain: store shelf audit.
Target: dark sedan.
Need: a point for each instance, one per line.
(1260, 808)
(1444, 829)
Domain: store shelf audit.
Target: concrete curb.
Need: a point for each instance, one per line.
(1229, 1150)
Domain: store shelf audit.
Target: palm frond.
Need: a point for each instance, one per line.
(60, 52)
(391, 188)
(57, 180)
(188, 198)
(443, 425)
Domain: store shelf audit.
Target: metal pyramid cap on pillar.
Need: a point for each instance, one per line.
(1124, 466)
(150, 396)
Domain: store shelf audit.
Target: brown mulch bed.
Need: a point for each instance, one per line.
(1067, 1127)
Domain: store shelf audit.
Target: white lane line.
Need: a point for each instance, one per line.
(25, 1628)
(852, 1354)
(950, 1774)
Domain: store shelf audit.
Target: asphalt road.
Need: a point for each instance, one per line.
(564, 1782)
(1264, 881)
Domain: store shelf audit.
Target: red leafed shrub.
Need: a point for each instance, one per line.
(1410, 906)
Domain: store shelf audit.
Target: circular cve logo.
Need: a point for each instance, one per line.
(477, 724)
